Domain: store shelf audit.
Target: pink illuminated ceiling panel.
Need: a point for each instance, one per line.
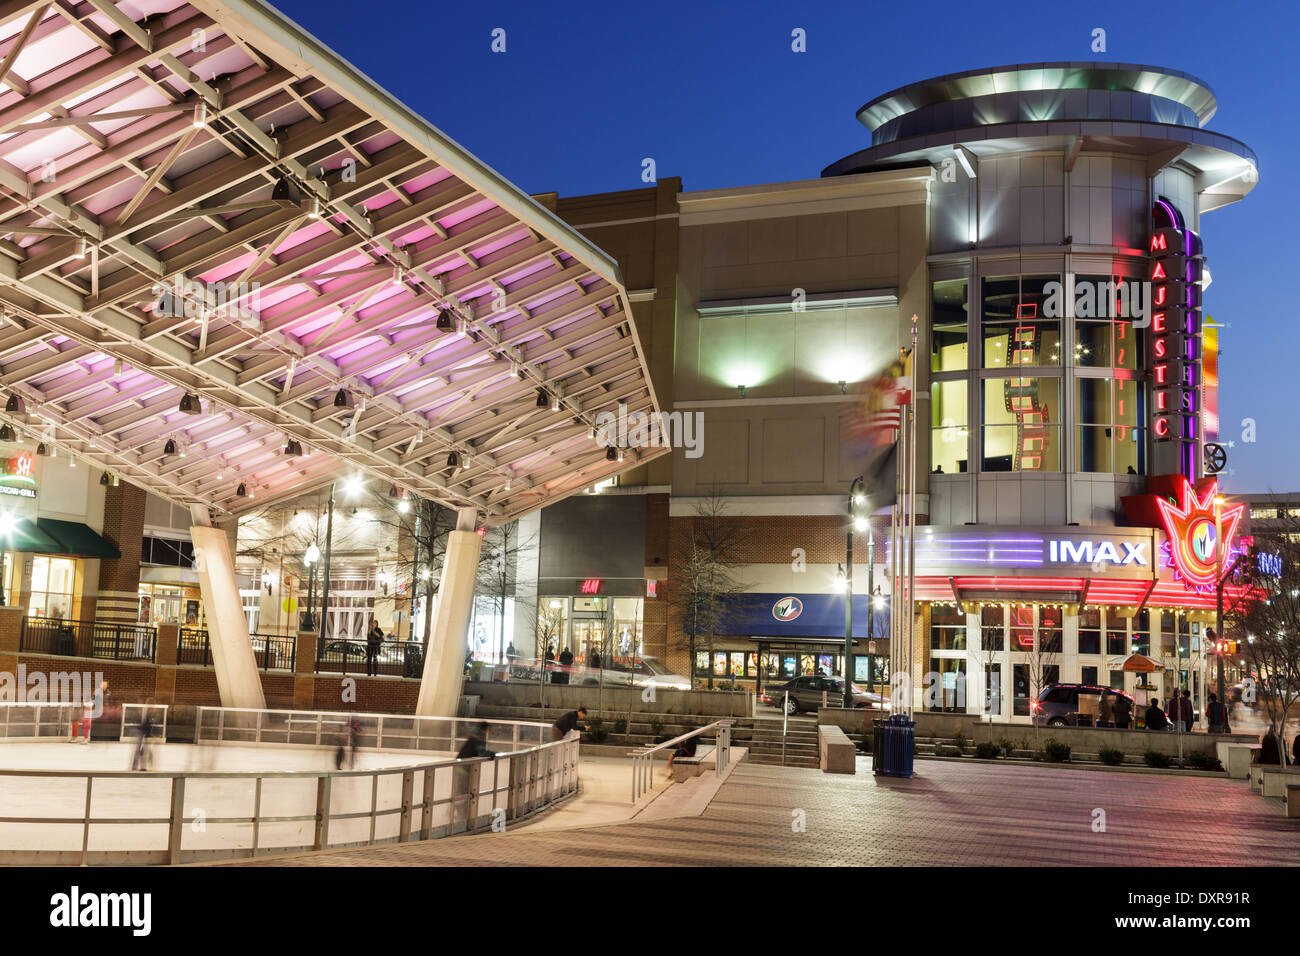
(195, 194)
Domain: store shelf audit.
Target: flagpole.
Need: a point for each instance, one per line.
(911, 543)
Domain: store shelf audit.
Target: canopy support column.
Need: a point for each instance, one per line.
(444, 666)
(238, 682)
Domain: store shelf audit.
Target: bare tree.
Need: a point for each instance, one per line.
(423, 527)
(1266, 626)
(1042, 667)
(707, 581)
(497, 571)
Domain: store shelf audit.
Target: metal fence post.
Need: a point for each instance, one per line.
(321, 838)
(257, 812)
(408, 791)
(176, 826)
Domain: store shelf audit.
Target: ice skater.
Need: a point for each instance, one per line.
(144, 740)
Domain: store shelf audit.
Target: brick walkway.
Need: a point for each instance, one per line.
(950, 814)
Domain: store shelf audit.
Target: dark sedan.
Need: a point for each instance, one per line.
(806, 693)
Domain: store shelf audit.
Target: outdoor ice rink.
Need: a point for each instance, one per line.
(61, 793)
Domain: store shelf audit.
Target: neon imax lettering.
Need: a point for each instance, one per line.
(1089, 552)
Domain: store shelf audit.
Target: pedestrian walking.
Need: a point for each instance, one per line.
(566, 657)
(595, 660)
(1295, 750)
(354, 740)
(1123, 711)
(1268, 754)
(510, 652)
(1186, 712)
(1106, 710)
(570, 721)
(1216, 715)
(550, 652)
(374, 640)
(1156, 719)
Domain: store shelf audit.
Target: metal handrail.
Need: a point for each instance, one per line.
(523, 782)
(106, 640)
(355, 657)
(279, 652)
(643, 759)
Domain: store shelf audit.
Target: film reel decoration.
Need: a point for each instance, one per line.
(1216, 458)
(1021, 394)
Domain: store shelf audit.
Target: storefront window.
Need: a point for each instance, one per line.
(737, 668)
(1090, 631)
(948, 326)
(719, 663)
(993, 688)
(1021, 424)
(53, 581)
(1022, 627)
(992, 628)
(949, 424)
(1108, 434)
(1049, 629)
(7, 572)
(702, 662)
(1017, 333)
(947, 629)
(1142, 633)
(949, 691)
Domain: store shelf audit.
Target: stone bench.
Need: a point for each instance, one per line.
(1275, 780)
(838, 755)
(1235, 757)
(687, 767)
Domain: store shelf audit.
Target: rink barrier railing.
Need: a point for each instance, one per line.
(438, 798)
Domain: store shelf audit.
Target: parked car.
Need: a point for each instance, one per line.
(641, 672)
(806, 694)
(1057, 703)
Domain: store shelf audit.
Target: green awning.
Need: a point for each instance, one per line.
(77, 540)
(26, 536)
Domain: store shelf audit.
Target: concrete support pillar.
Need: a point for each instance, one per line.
(238, 681)
(444, 666)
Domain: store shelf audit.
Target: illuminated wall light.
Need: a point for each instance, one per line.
(555, 402)
(200, 114)
(315, 207)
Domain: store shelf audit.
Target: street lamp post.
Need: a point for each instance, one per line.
(856, 523)
(310, 559)
(1218, 586)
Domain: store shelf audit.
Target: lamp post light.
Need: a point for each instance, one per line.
(857, 522)
(1218, 588)
(310, 559)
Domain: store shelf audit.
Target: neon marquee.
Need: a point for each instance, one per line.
(1193, 545)
(1175, 332)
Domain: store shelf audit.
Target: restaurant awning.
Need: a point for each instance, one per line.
(77, 540)
(27, 536)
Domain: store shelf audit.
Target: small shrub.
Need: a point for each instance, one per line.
(1111, 757)
(1154, 758)
(596, 731)
(657, 727)
(620, 725)
(1203, 760)
(987, 751)
(1056, 751)
(959, 741)
(1006, 746)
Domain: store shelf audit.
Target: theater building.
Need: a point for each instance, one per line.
(1043, 222)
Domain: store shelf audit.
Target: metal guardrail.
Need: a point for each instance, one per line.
(429, 800)
(98, 639)
(133, 716)
(387, 659)
(273, 652)
(22, 720)
(643, 759)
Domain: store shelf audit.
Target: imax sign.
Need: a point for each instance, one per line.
(1093, 552)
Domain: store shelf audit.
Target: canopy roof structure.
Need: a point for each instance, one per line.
(233, 269)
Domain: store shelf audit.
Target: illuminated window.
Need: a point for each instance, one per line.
(949, 317)
(53, 582)
(1022, 321)
(1021, 424)
(993, 628)
(948, 427)
(1263, 513)
(1108, 435)
(1090, 632)
(947, 629)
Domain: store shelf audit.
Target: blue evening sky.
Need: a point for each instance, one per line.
(713, 93)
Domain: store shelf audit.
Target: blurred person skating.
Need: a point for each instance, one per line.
(570, 721)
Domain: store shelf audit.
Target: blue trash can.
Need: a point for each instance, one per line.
(898, 746)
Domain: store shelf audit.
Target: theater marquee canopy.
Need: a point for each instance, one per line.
(231, 263)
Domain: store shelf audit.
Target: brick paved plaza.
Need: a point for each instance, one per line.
(949, 814)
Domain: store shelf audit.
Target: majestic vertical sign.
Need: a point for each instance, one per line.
(1176, 254)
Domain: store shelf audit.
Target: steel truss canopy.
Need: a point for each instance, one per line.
(202, 207)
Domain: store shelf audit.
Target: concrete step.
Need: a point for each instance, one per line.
(775, 761)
